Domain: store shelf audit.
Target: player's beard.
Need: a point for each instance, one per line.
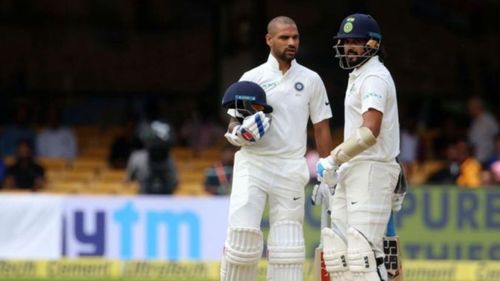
(352, 57)
(286, 55)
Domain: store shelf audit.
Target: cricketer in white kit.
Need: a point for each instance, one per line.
(363, 166)
(272, 166)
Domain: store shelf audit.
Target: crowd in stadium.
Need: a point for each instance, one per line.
(448, 155)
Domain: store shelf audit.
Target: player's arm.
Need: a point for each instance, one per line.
(320, 114)
(374, 99)
(372, 119)
(363, 138)
(323, 137)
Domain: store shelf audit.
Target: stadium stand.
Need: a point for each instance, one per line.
(89, 172)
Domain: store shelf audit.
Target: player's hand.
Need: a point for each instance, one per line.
(254, 127)
(236, 139)
(397, 201)
(321, 195)
(326, 170)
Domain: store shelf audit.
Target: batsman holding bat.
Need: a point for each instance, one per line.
(363, 167)
(270, 108)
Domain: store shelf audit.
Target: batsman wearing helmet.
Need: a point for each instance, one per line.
(363, 167)
(270, 108)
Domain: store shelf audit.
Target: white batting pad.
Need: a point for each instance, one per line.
(335, 254)
(242, 252)
(286, 251)
(360, 257)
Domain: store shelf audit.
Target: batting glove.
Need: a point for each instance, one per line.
(235, 139)
(399, 191)
(326, 170)
(321, 195)
(254, 127)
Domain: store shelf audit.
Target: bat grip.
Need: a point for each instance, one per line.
(323, 221)
(391, 228)
(324, 216)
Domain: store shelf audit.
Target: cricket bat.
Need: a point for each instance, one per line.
(319, 270)
(392, 252)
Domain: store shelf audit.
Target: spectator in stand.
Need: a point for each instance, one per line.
(470, 167)
(124, 144)
(461, 168)
(450, 171)
(495, 156)
(408, 145)
(495, 173)
(219, 176)
(17, 131)
(482, 130)
(201, 131)
(56, 141)
(448, 135)
(491, 168)
(25, 173)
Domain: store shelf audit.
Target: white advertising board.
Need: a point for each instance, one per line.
(145, 227)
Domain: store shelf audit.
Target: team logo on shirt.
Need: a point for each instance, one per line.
(372, 95)
(299, 86)
(268, 86)
(352, 90)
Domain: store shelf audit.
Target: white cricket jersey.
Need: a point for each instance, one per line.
(371, 86)
(295, 96)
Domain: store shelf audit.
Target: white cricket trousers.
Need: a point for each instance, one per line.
(363, 199)
(257, 178)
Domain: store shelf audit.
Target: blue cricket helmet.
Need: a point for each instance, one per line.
(241, 95)
(357, 26)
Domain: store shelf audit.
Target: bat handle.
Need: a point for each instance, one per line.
(391, 228)
(324, 222)
(324, 216)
